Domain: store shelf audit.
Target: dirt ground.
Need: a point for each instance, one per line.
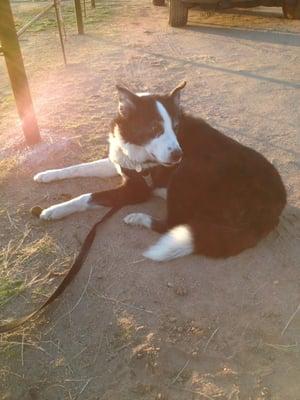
(128, 328)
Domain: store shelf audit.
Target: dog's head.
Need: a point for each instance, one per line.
(150, 122)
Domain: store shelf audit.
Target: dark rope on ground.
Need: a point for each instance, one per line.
(9, 326)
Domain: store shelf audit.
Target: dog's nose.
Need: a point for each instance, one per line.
(176, 156)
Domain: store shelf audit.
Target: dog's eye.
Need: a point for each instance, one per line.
(157, 129)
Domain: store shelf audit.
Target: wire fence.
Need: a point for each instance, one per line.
(10, 48)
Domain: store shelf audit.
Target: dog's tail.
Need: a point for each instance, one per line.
(178, 242)
(209, 239)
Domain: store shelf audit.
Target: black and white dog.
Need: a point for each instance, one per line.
(222, 197)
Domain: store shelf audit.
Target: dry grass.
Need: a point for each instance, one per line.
(20, 264)
(9, 288)
(112, 337)
(25, 12)
(31, 261)
(7, 167)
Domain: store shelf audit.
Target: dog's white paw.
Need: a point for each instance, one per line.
(139, 219)
(53, 212)
(160, 192)
(46, 176)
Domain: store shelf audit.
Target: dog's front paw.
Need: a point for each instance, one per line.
(53, 212)
(46, 176)
(139, 219)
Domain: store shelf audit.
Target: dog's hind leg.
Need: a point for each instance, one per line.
(102, 169)
(178, 242)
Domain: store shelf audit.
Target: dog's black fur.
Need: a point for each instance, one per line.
(229, 194)
(226, 195)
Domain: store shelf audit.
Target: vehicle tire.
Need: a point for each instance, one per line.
(158, 3)
(178, 13)
(291, 9)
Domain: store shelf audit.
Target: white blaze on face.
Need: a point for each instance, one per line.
(162, 146)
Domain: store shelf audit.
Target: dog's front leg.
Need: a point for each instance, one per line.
(147, 221)
(132, 191)
(102, 169)
(61, 210)
(160, 192)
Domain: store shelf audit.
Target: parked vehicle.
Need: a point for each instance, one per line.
(178, 10)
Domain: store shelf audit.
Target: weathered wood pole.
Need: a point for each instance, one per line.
(79, 17)
(93, 3)
(17, 75)
(84, 8)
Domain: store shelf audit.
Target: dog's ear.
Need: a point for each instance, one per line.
(175, 93)
(127, 101)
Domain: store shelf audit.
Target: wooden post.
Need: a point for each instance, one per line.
(93, 3)
(17, 74)
(84, 8)
(79, 17)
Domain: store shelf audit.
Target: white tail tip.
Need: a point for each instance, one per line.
(178, 242)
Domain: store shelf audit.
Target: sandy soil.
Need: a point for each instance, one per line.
(127, 328)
